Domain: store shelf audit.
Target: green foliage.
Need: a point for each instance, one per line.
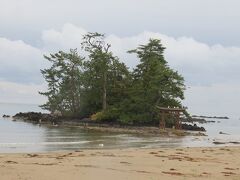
(109, 115)
(154, 84)
(97, 68)
(102, 86)
(105, 78)
(64, 79)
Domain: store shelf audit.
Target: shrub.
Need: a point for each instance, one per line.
(110, 115)
(137, 119)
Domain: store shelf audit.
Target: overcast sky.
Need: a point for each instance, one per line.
(201, 37)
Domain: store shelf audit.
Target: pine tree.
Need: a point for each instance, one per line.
(64, 79)
(154, 84)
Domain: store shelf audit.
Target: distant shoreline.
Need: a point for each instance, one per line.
(210, 117)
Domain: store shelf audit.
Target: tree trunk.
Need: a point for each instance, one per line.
(104, 103)
(73, 90)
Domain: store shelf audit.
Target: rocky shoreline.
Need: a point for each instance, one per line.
(44, 118)
(210, 117)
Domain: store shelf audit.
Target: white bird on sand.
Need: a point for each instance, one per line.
(101, 145)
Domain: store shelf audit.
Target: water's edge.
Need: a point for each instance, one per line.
(17, 137)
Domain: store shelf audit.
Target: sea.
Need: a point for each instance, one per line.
(23, 137)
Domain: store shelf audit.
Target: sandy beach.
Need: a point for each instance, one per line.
(161, 163)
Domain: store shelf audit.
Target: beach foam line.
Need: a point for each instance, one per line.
(42, 143)
(63, 137)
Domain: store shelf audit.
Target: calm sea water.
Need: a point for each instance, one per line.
(16, 136)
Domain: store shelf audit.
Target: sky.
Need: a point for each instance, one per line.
(201, 37)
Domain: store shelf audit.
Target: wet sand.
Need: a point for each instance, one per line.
(162, 163)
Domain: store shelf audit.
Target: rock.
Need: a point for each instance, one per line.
(192, 127)
(229, 142)
(214, 117)
(234, 142)
(217, 142)
(211, 121)
(36, 117)
(194, 119)
(6, 116)
(223, 133)
(31, 116)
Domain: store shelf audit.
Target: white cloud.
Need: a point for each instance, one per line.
(217, 99)
(11, 92)
(20, 62)
(210, 71)
(198, 62)
(209, 21)
(70, 36)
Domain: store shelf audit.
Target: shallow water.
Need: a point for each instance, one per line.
(18, 136)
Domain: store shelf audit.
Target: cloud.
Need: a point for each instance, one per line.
(218, 99)
(11, 92)
(20, 62)
(200, 63)
(208, 21)
(211, 71)
(70, 36)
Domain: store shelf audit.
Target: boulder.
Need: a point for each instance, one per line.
(192, 127)
(6, 116)
(36, 117)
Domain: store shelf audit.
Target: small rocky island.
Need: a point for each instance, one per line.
(45, 118)
(103, 92)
